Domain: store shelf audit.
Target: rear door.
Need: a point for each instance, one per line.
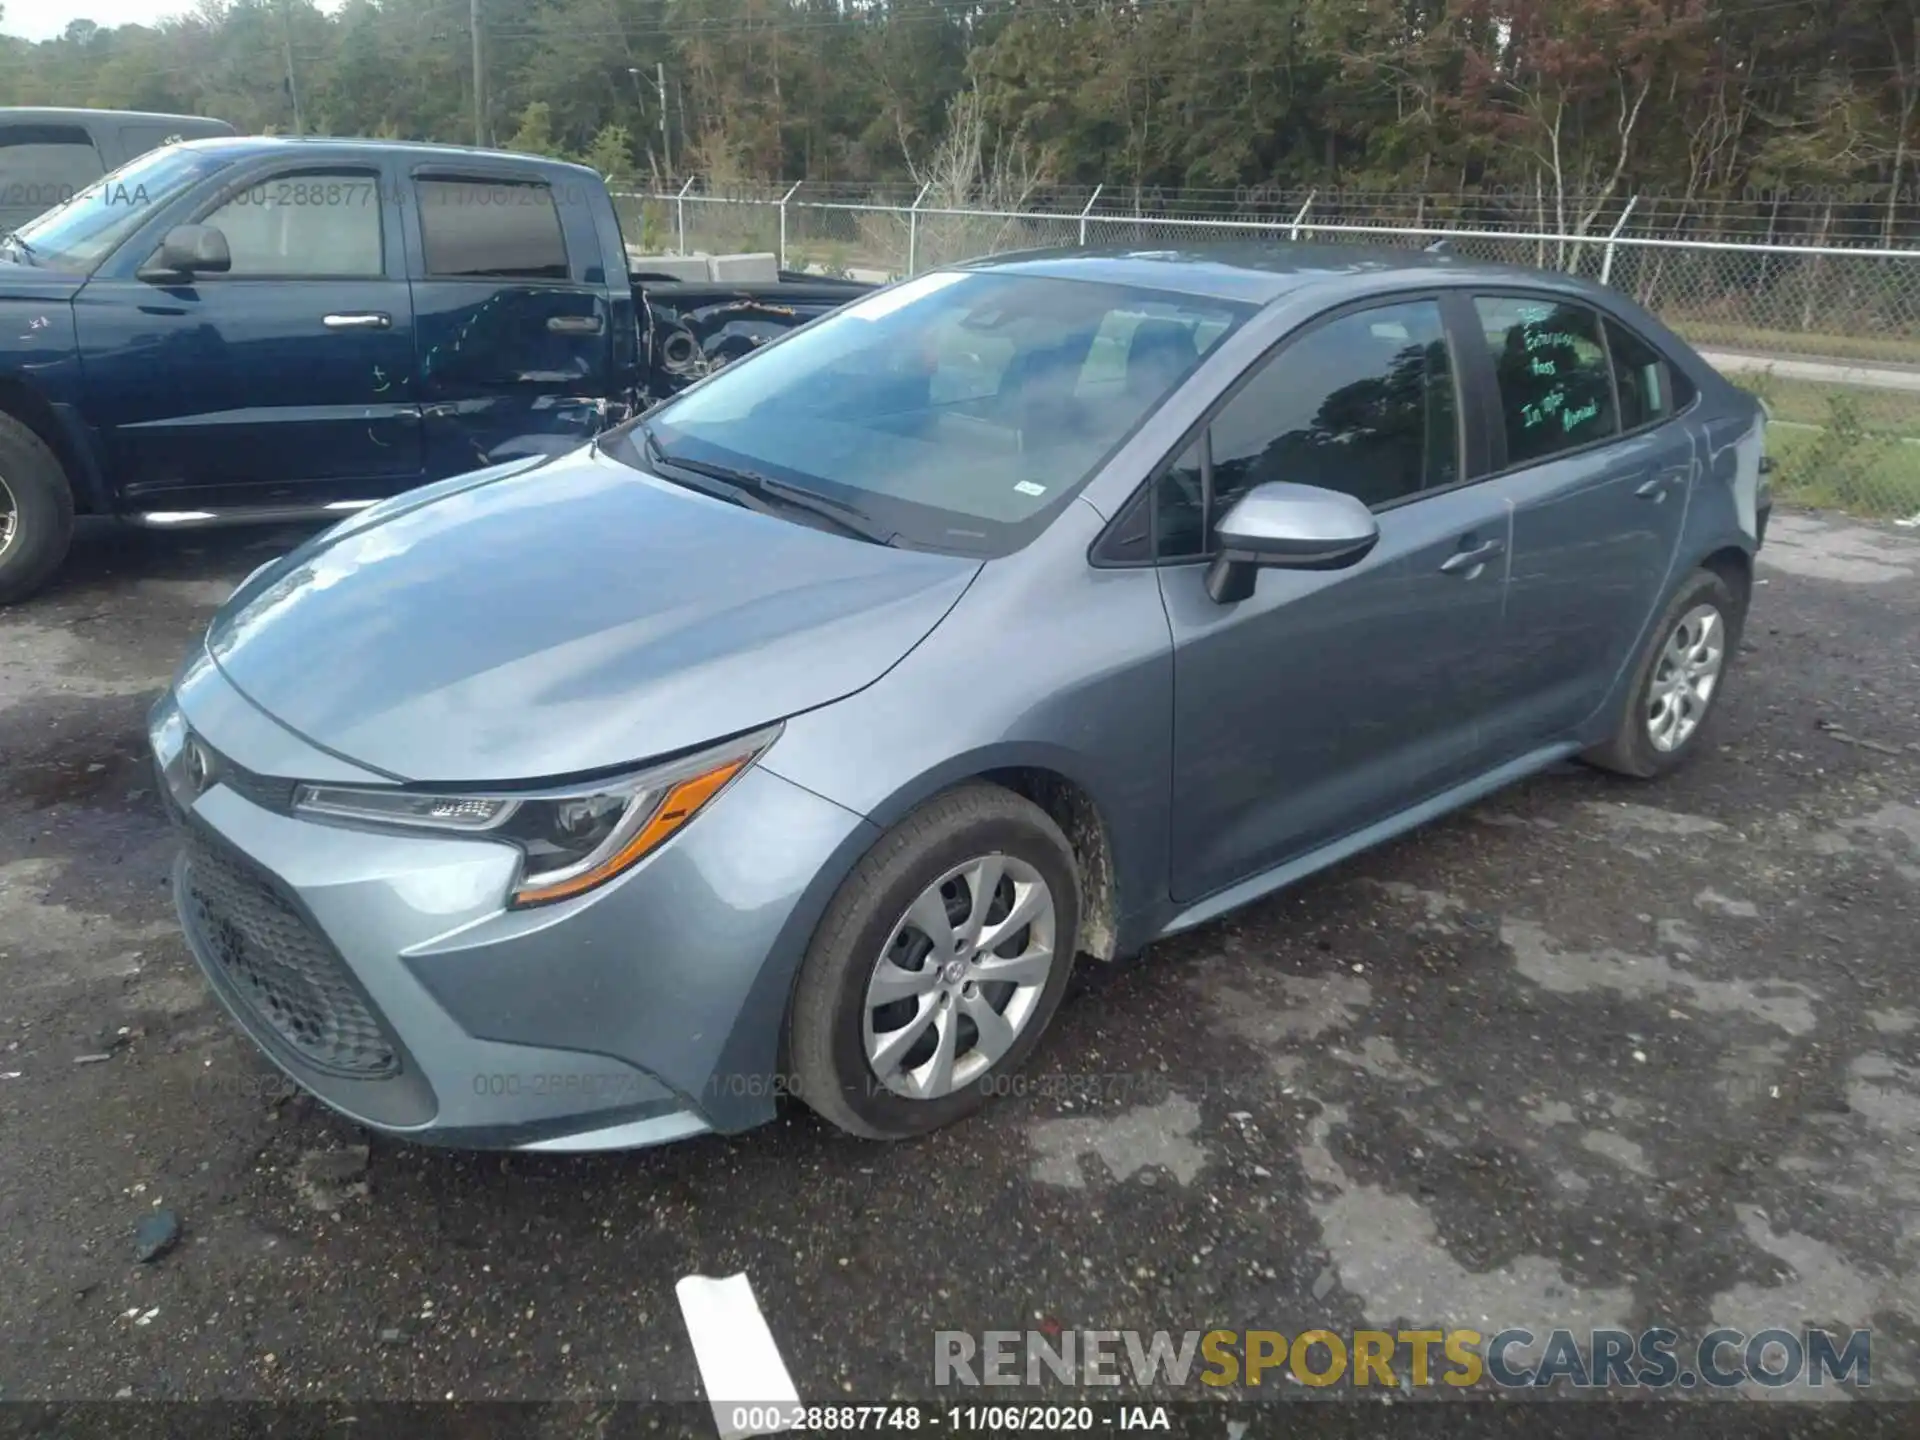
(1598, 469)
(515, 324)
(286, 380)
(43, 165)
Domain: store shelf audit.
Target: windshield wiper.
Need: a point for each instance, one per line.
(12, 239)
(849, 518)
(732, 494)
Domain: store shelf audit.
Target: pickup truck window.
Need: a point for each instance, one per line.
(303, 224)
(45, 165)
(81, 233)
(959, 411)
(490, 229)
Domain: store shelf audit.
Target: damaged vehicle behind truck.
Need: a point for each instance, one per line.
(236, 330)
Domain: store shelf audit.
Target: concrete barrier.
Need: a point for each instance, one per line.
(751, 269)
(680, 267)
(759, 269)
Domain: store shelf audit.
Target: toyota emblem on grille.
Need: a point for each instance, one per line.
(199, 767)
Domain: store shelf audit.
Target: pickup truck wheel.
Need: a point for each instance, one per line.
(36, 511)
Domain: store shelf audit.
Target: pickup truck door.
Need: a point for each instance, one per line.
(516, 323)
(287, 380)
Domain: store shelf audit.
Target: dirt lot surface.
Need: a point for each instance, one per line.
(1592, 1054)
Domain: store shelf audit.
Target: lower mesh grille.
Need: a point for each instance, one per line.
(280, 966)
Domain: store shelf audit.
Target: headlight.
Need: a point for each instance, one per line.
(572, 839)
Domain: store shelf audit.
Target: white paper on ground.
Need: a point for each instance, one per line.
(740, 1365)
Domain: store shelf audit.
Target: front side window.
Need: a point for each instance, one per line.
(1556, 392)
(961, 409)
(303, 225)
(1365, 404)
(490, 229)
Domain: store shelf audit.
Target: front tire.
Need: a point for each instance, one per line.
(1677, 681)
(938, 965)
(36, 511)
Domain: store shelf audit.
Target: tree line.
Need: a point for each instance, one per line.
(1561, 107)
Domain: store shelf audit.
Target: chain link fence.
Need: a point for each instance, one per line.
(1828, 334)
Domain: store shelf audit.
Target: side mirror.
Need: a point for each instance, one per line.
(191, 250)
(1294, 527)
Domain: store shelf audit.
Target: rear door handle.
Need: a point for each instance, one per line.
(574, 324)
(359, 320)
(1468, 562)
(1657, 487)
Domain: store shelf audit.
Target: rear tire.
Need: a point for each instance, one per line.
(1677, 681)
(36, 511)
(899, 980)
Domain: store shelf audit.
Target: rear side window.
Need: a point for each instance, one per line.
(491, 229)
(1556, 392)
(42, 166)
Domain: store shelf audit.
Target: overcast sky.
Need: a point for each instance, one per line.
(44, 19)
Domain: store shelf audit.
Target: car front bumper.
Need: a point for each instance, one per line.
(383, 972)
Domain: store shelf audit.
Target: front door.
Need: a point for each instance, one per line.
(1599, 471)
(1332, 699)
(286, 380)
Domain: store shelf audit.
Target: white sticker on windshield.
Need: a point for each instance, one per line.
(1027, 487)
(895, 297)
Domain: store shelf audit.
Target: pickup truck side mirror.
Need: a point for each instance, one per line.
(1295, 527)
(190, 250)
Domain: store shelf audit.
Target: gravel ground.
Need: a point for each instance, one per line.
(1591, 1054)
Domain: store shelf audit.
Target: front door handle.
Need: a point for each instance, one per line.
(574, 324)
(359, 320)
(1467, 563)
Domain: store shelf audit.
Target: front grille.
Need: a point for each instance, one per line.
(279, 965)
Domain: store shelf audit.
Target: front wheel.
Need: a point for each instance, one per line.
(937, 966)
(1677, 681)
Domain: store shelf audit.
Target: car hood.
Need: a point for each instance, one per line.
(549, 619)
(34, 283)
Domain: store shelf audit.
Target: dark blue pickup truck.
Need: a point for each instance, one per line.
(250, 329)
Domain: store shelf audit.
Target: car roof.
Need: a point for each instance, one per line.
(248, 145)
(55, 115)
(1260, 271)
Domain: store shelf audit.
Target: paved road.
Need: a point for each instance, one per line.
(1592, 1054)
(1826, 372)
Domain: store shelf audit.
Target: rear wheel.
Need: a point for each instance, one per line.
(1677, 681)
(938, 965)
(36, 511)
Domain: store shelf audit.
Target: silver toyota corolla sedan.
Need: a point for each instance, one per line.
(798, 737)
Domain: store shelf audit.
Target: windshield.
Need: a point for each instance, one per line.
(959, 410)
(81, 233)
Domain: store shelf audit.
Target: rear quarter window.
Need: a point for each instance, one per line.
(1651, 388)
